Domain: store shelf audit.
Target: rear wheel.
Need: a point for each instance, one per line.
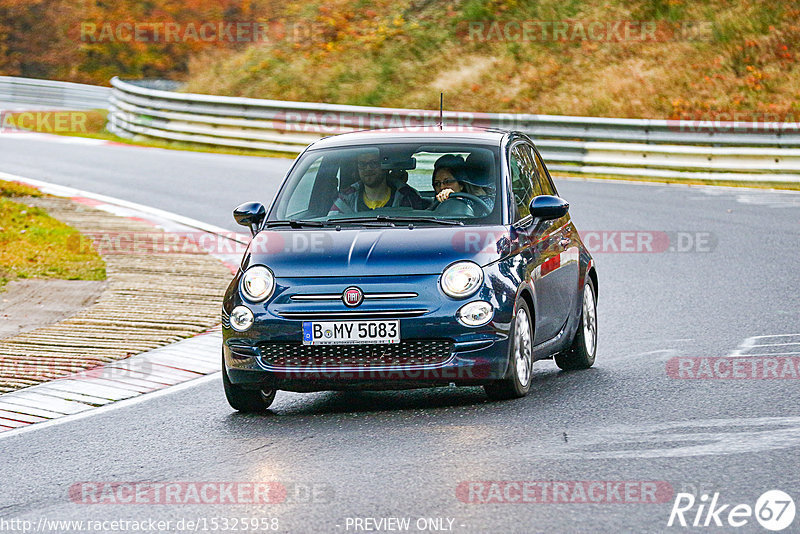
(246, 400)
(584, 345)
(517, 383)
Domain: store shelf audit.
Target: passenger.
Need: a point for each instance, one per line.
(375, 189)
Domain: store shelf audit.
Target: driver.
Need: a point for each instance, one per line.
(375, 189)
(450, 176)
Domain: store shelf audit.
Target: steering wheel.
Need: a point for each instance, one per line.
(476, 201)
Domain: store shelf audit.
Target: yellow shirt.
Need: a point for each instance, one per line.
(372, 204)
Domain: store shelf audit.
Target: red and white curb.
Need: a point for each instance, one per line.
(153, 371)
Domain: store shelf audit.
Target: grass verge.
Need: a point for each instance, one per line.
(35, 245)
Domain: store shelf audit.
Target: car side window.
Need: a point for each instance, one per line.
(524, 184)
(545, 183)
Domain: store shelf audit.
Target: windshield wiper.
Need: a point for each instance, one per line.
(367, 221)
(396, 219)
(295, 223)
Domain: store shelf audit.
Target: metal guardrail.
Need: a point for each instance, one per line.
(633, 147)
(49, 94)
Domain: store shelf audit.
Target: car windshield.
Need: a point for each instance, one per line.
(418, 183)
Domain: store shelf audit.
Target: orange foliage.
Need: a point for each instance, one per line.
(93, 40)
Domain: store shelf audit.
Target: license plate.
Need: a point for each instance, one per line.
(350, 332)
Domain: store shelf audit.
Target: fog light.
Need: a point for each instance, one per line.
(241, 318)
(476, 313)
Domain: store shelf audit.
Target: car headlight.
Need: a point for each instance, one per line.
(461, 279)
(476, 313)
(258, 283)
(241, 318)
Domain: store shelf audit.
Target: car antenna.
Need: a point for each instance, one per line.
(441, 110)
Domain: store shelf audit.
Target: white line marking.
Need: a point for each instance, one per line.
(62, 139)
(751, 343)
(796, 353)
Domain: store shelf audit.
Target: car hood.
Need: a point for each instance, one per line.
(375, 251)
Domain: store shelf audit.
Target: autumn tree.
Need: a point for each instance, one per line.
(94, 40)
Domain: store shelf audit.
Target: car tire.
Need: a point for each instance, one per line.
(518, 378)
(582, 353)
(246, 400)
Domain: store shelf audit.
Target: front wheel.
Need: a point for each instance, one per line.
(517, 383)
(584, 345)
(246, 400)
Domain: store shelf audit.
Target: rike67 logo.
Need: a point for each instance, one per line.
(774, 510)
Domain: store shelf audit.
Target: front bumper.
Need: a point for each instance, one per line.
(435, 348)
(471, 363)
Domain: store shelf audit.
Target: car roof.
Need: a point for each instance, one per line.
(473, 135)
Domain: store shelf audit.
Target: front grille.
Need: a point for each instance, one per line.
(403, 354)
(226, 319)
(350, 314)
(367, 296)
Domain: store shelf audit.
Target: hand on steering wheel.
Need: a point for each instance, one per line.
(443, 194)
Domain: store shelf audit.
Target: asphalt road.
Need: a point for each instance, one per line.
(348, 456)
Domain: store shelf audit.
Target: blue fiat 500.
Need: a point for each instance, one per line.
(393, 260)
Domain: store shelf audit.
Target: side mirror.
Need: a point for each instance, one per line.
(547, 207)
(251, 214)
